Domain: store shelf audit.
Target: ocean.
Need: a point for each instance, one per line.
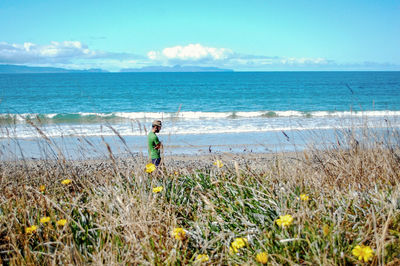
(228, 111)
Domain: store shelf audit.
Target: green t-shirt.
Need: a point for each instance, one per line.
(153, 141)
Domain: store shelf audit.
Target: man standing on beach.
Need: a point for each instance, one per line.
(154, 144)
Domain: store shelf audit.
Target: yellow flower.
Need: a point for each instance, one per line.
(150, 168)
(44, 220)
(61, 222)
(66, 181)
(202, 258)
(31, 229)
(285, 220)
(157, 189)
(231, 251)
(218, 163)
(42, 188)
(176, 173)
(325, 229)
(262, 257)
(239, 243)
(304, 197)
(363, 252)
(179, 233)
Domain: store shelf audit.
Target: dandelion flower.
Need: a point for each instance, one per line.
(31, 229)
(325, 229)
(66, 181)
(44, 220)
(218, 163)
(262, 257)
(231, 251)
(61, 222)
(179, 233)
(202, 258)
(157, 189)
(363, 252)
(285, 220)
(42, 188)
(239, 243)
(150, 168)
(304, 197)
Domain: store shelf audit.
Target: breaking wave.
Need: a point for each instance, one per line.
(116, 117)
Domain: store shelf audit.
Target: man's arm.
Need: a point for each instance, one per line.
(158, 146)
(156, 142)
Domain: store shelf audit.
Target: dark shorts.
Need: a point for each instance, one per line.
(156, 162)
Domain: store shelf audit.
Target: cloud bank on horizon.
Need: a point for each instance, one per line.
(77, 55)
(66, 53)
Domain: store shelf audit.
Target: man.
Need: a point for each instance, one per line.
(154, 144)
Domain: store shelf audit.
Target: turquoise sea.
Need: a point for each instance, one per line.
(233, 111)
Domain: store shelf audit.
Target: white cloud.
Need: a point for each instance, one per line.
(66, 52)
(75, 54)
(303, 61)
(227, 58)
(53, 52)
(152, 55)
(190, 52)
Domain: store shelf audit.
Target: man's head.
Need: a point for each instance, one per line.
(156, 126)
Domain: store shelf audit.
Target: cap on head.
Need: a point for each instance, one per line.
(156, 123)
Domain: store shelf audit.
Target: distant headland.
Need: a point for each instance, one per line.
(176, 68)
(10, 69)
(15, 69)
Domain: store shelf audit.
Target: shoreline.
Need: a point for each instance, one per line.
(81, 148)
(272, 142)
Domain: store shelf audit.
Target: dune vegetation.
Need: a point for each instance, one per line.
(334, 206)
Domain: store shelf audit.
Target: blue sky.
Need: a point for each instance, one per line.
(243, 35)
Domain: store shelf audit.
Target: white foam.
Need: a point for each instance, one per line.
(218, 126)
(205, 123)
(51, 115)
(384, 113)
(96, 114)
(252, 114)
(289, 113)
(191, 115)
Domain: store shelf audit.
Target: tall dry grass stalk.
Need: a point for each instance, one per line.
(114, 217)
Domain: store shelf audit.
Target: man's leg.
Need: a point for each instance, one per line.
(156, 162)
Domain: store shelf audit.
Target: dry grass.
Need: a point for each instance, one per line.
(113, 217)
